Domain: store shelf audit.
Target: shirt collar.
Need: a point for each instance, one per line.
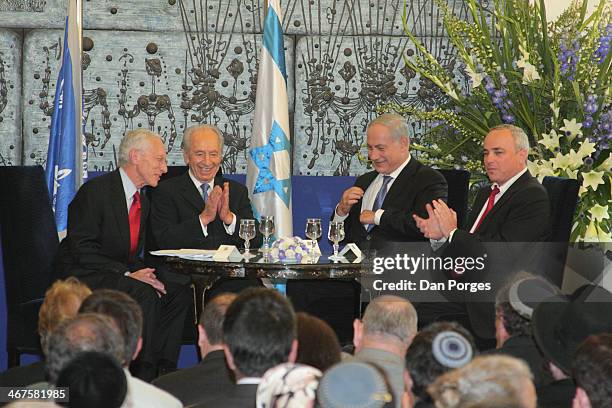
(198, 183)
(129, 188)
(508, 184)
(397, 171)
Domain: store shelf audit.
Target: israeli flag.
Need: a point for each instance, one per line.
(66, 157)
(269, 159)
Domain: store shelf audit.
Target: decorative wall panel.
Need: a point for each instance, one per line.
(10, 98)
(147, 80)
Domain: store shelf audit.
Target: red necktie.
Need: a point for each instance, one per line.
(490, 204)
(134, 218)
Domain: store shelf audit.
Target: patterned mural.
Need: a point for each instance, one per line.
(165, 65)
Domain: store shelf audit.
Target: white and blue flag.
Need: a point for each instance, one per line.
(269, 159)
(66, 158)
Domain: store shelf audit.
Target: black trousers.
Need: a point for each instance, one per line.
(163, 316)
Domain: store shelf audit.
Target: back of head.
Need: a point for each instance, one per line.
(435, 350)
(134, 139)
(354, 384)
(62, 300)
(84, 332)
(124, 311)
(94, 380)
(259, 329)
(318, 344)
(485, 378)
(592, 369)
(390, 318)
(213, 315)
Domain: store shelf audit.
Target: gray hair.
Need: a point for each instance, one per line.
(192, 129)
(521, 141)
(395, 123)
(485, 378)
(84, 332)
(134, 139)
(390, 316)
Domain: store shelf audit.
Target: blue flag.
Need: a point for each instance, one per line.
(269, 159)
(66, 167)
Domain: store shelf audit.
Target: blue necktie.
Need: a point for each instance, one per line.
(205, 187)
(380, 197)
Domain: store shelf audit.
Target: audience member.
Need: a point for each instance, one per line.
(83, 332)
(486, 378)
(318, 344)
(288, 385)
(383, 336)
(104, 247)
(127, 316)
(62, 300)
(259, 332)
(592, 369)
(211, 376)
(354, 384)
(514, 304)
(93, 380)
(440, 347)
(559, 326)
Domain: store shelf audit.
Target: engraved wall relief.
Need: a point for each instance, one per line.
(186, 62)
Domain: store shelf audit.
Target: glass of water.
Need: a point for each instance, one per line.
(335, 235)
(266, 227)
(247, 232)
(313, 232)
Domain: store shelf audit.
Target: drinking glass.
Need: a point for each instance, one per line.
(247, 232)
(335, 235)
(266, 227)
(313, 232)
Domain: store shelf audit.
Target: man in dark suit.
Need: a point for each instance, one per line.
(104, 247)
(508, 216)
(199, 209)
(211, 377)
(379, 207)
(259, 332)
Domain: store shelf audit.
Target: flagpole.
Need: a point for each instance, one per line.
(78, 97)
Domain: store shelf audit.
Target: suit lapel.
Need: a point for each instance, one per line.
(479, 202)
(504, 199)
(190, 193)
(119, 205)
(401, 182)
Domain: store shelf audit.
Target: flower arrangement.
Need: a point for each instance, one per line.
(290, 248)
(552, 79)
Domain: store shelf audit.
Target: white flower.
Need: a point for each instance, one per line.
(600, 212)
(573, 174)
(591, 235)
(476, 77)
(606, 165)
(555, 109)
(592, 179)
(550, 140)
(560, 161)
(530, 73)
(571, 127)
(587, 148)
(574, 159)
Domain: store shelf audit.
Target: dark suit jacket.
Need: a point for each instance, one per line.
(415, 186)
(524, 348)
(22, 376)
(175, 206)
(239, 396)
(96, 248)
(209, 379)
(506, 238)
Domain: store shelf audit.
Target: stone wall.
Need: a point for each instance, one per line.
(168, 64)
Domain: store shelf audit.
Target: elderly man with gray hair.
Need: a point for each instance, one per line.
(201, 208)
(104, 247)
(382, 338)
